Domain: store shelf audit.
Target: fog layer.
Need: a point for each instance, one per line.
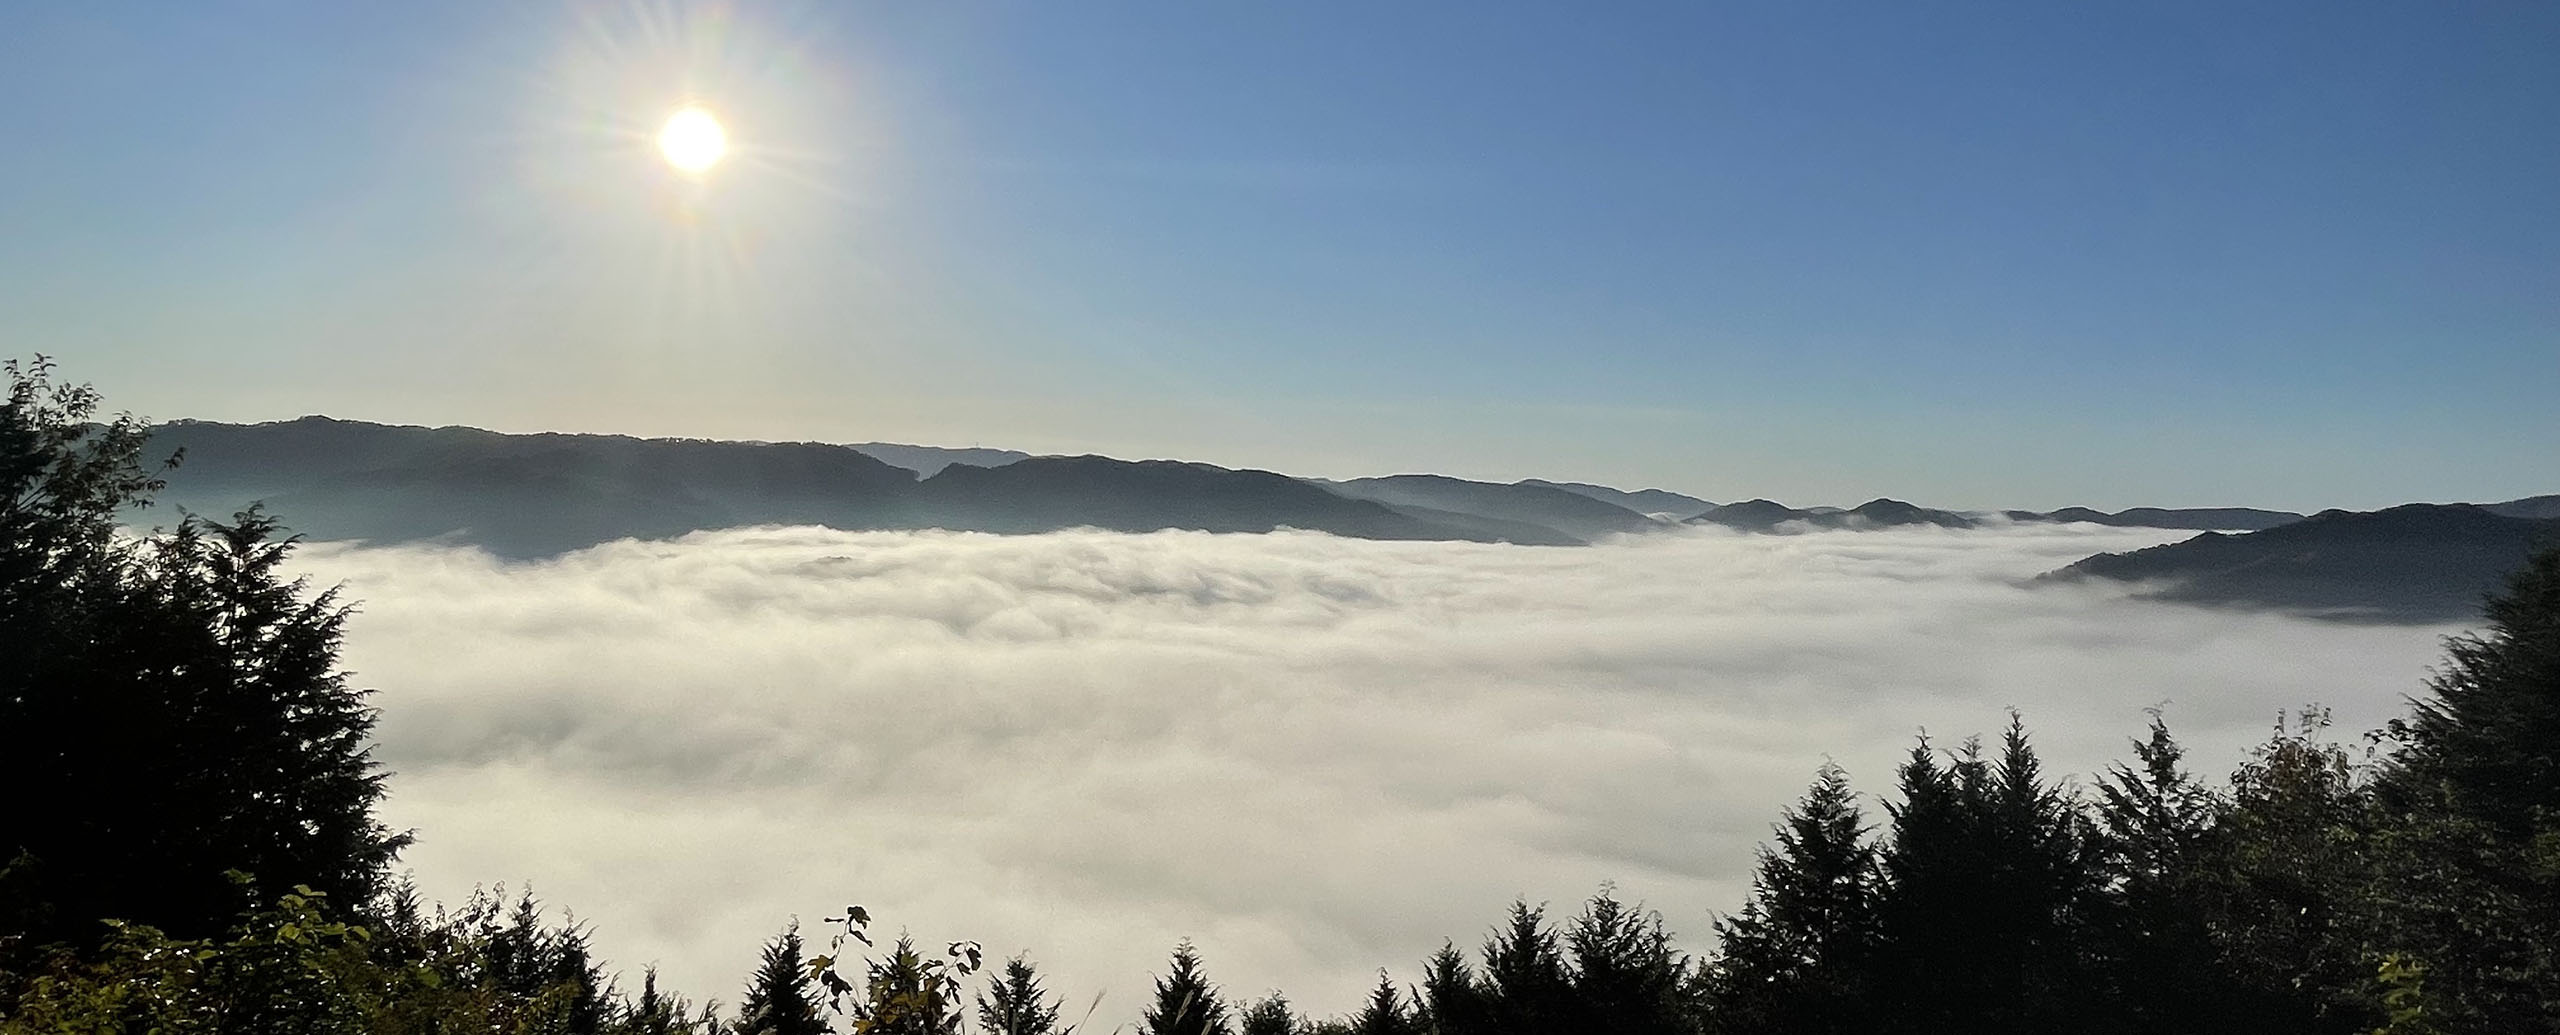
(1312, 756)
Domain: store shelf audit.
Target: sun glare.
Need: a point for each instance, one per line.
(693, 141)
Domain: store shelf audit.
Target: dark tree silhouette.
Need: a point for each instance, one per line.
(1527, 986)
(656, 1012)
(1453, 1002)
(2472, 796)
(1797, 957)
(2160, 839)
(1269, 1015)
(1989, 883)
(170, 710)
(907, 994)
(1186, 1003)
(2485, 741)
(1626, 977)
(1016, 1004)
(781, 999)
(1385, 1013)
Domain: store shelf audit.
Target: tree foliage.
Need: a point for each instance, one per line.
(1016, 1004)
(1185, 1002)
(1797, 958)
(782, 998)
(171, 710)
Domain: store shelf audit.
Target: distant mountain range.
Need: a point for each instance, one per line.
(535, 495)
(1520, 505)
(928, 461)
(2422, 562)
(2216, 518)
(524, 496)
(1770, 516)
(1670, 506)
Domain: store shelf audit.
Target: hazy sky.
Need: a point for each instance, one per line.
(2292, 255)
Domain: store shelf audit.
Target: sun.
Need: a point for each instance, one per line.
(693, 141)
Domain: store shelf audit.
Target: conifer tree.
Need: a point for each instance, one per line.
(2485, 742)
(1453, 1003)
(1989, 883)
(1385, 1013)
(183, 679)
(1269, 1015)
(2158, 832)
(2043, 852)
(1626, 978)
(1016, 1004)
(780, 998)
(656, 1012)
(1797, 957)
(907, 994)
(1527, 987)
(1186, 1003)
(2471, 799)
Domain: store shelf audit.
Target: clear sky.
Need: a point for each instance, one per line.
(2295, 255)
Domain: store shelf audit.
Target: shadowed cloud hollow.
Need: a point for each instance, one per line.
(1313, 755)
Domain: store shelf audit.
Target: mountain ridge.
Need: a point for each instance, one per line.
(2418, 562)
(541, 494)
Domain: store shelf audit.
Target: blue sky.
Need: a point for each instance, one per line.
(2297, 255)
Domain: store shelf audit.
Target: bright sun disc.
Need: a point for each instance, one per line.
(692, 140)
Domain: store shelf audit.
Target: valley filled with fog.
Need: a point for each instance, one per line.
(1314, 756)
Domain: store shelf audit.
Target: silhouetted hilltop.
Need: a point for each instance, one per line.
(1651, 502)
(543, 494)
(1571, 513)
(1052, 492)
(1754, 515)
(517, 495)
(1885, 513)
(2536, 507)
(2421, 562)
(927, 461)
(536, 495)
(2245, 519)
(1767, 515)
(2217, 518)
(1480, 528)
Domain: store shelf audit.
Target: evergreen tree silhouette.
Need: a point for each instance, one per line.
(1626, 978)
(1385, 1013)
(1016, 1004)
(1453, 1002)
(1798, 956)
(656, 1012)
(1269, 1015)
(2485, 742)
(1989, 884)
(2158, 831)
(907, 994)
(780, 999)
(171, 709)
(1527, 987)
(1186, 1003)
(2469, 866)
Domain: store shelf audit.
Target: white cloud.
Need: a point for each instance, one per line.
(1313, 756)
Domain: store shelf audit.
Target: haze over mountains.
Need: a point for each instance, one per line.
(527, 496)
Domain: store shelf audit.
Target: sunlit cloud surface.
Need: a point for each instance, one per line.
(1312, 756)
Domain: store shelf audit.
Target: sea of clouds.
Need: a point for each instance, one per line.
(1311, 756)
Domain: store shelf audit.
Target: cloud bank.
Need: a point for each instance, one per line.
(1312, 756)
